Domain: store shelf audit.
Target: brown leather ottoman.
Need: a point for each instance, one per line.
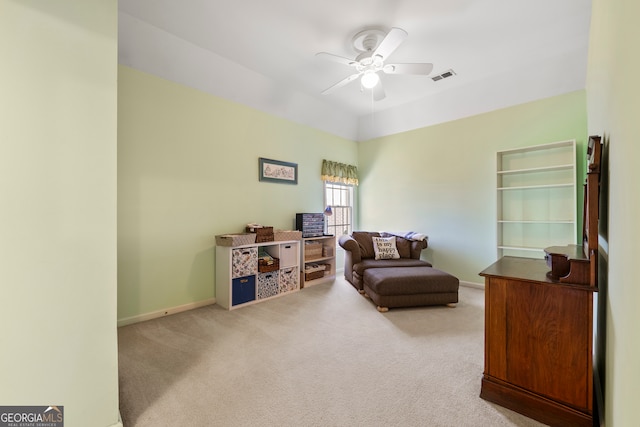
(410, 287)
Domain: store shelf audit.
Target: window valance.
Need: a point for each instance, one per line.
(339, 172)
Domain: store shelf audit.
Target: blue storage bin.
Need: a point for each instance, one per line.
(243, 289)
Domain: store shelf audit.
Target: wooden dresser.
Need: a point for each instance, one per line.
(538, 343)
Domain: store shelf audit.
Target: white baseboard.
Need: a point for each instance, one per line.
(472, 285)
(166, 312)
(119, 423)
(178, 309)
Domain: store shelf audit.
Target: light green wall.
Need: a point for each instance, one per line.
(187, 171)
(613, 91)
(441, 180)
(58, 208)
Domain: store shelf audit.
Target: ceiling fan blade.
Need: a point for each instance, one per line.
(391, 42)
(420, 68)
(378, 92)
(336, 58)
(341, 83)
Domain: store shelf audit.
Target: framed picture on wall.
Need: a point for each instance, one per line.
(277, 171)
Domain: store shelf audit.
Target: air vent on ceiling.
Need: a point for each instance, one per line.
(444, 75)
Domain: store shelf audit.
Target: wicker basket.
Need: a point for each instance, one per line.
(313, 275)
(314, 271)
(263, 267)
(282, 235)
(263, 234)
(235, 239)
(312, 250)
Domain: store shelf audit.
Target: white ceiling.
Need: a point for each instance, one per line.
(262, 54)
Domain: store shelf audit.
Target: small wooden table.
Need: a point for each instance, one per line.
(538, 343)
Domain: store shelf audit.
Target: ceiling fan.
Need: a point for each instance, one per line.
(375, 47)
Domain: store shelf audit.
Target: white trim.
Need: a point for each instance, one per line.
(472, 284)
(119, 423)
(166, 312)
(185, 307)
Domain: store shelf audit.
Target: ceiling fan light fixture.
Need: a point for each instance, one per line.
(369, 79)
(373, 47)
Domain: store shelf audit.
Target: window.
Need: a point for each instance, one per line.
(340, 198)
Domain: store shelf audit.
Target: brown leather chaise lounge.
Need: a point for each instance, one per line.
(406, 281)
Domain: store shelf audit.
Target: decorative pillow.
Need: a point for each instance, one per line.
(385, 247)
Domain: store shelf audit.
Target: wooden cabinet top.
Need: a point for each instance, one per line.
(526, 270)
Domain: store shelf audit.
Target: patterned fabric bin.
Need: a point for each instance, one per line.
(267, 284)
(289, 279)
(244, 262)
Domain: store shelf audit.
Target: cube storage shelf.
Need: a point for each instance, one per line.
(537, 205)
(320, 251)
(239, 281)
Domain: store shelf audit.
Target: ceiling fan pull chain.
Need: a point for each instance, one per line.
(373, 106)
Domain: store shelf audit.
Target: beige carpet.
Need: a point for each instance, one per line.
(323, 356)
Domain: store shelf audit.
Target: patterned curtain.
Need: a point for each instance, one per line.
(339, 172)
